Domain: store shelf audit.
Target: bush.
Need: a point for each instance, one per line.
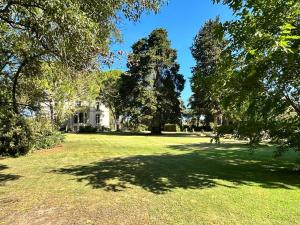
(19, 135)
(204, 128)
(186, 128)
(198, 128)
(104, 128)
(87, 130)
(251, 130)
(141, 128)
(15, 134)
(171, 128)
(286, 133)
(44, 134)
(226, 129)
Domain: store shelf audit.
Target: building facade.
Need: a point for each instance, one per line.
(94, 114)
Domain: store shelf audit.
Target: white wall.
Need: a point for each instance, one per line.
(92, 112)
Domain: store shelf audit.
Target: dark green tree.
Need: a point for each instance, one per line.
(206, 49)
(152, 85)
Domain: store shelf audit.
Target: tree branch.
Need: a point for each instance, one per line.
(295, 106)
(11, 103)
(15, 81)
(5, 9)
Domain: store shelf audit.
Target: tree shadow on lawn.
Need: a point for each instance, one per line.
(203, 167)
(6, 177)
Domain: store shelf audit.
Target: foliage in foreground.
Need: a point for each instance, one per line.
(19, 135)
(258, 80)
(73, 35)
(15, 134)
(44, 134)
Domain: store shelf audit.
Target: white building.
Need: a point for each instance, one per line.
(94, 114)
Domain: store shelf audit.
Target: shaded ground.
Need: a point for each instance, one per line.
(6, 177)
(194, 170)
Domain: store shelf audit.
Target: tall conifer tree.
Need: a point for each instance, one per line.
(206, 49)
(153, 84)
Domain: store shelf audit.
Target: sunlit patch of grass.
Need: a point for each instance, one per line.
(142, 179)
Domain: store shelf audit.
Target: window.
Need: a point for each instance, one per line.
(85, 117)
(219, 120)
(97, 118)
(80, 117)
(75, 118)
(97, 106)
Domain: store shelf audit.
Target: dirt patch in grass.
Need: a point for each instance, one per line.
(50, 150)
(74, 214)
(8, 200)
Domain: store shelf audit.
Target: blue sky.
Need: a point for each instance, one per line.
(182, 19)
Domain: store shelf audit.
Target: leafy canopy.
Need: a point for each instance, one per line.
(259, 81)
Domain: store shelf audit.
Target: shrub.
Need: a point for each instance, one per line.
(226, 129)
(44, 134)
(186, 128)
(286, 133)
(15, 134)
(171, 128)
(141, 128)
(204, 128)
(199, 128)
(87, 130)
(104, 128)
(252, 130)
(19, 135)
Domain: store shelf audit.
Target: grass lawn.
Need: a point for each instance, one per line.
(119, 179)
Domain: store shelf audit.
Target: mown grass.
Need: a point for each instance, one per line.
(121, 179)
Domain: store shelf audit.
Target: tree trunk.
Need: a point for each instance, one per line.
(118, 123)
(293, 104)
(51, 107)
(14, 96)
(14, 89)
(156, 124)
(116, 120)
(215, 120)
(198, 121)
(15, 84)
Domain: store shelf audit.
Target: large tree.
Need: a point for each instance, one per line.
(153, 84)
(260, 79)
(73, 32)
(69, 32)
(206, 49)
